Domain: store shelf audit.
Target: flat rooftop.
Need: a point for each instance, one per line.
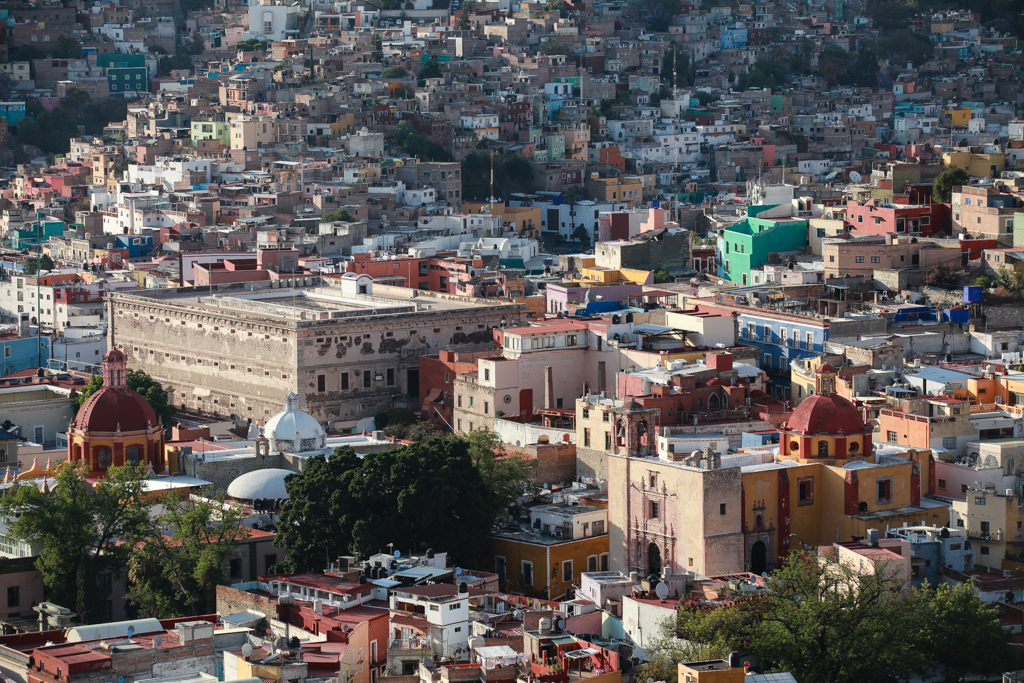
(323, 300)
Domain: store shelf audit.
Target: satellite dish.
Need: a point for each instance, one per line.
(855, 177)
(247, 650)
(458, 571)
(517, 615)
(764, 574)
(131, 631)
(159, 640)
(560, 624)
(398, 553)
(661, 591)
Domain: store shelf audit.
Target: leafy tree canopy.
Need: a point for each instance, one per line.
(511, 175)
(394, 72)
(823, 622)
(252, 44)
(706, 98)
(337, 215)
(763, 74)
(83, 532)
(950, 177)
(676, 65)
(907, 46)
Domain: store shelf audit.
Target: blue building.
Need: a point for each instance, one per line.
(137, 245)
(128, 80)
(733, 37)
(22, 353)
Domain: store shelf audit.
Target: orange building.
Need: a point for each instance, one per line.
(116, 425)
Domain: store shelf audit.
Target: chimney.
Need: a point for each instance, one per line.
(549, 388)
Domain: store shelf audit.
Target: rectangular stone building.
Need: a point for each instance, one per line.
(344, 346)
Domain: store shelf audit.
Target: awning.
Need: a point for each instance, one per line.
(581, 654)
(433, 395)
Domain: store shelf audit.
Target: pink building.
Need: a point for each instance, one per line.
(874, 217)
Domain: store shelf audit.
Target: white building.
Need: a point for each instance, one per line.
(272, 19)
(446, 610)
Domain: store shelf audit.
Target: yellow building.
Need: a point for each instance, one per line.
(977, 164)
(959, 117)
(562, 543)
(524, 219)
(721, 513)
(994, 523)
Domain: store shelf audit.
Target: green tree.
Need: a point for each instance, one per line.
(557, 6)
(580, 234)
(51, 130)
(174, 62)
(506, 475)
(907, 46)
(943, 276)
(763, 74)
(664, 653)
(426, 494)
(252, 44)
(676, 65)
(557, 47)
(663, 276)
(466, 19)
(983, 281)
(46, 263)
(196, 44)
(706, 98)
(176, 568)
(337, 215)
(431, 69)
(864, 70)
(31, 266)
(394, 72)
(511, 175)
(68, 47)
(950, 177)
(833, 63)
(149, 388)
(395, 417)
(83, 531)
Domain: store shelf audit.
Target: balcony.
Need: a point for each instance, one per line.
(410, 646)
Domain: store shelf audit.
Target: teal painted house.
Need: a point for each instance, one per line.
(746, 245)
(126, 74)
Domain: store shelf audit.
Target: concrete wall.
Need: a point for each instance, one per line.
(520, 434)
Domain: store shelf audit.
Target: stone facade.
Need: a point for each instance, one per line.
(238, 356)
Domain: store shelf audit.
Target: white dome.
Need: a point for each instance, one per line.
(259, 484)
(294, 431)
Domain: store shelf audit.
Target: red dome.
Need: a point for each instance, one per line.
(111, 407)
(825, 414)
(114, 355)
(826, 367)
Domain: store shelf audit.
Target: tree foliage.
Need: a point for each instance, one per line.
(675, 65)
(394, 72)
(174, 62)
(557, 47)
(426, 494)
(466, 19)
(950, 177)
(907, 46)
(706, 98)
(417, 144)
(443, 492)
(252, 44)
(943, 276)
(34, 265)
(833, 63)
(511, 175)
(337, 215)
(178, 564)
(51, 130)
(663, 276)
(825, 623)
(763, 74)
(141, 382)
(84, 532)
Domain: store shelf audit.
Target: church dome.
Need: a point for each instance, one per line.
(259, 485)
(293, 430)
(825, 414)
(115, 407)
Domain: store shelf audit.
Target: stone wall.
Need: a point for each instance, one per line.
(521, 434)
(591, 463)
(221, 472)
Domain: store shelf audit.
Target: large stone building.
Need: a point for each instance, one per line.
(344, 346)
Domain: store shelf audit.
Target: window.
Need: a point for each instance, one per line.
(102, 458)
(876, 259)
(500, 568)
(454, 606)
(942, 483)
(604, 562)
(366, 379)
(984, 550)
(391, 377)
(487, 408)
(235, 568)
(805, 491)
(892, 437)
(13, 596)
(823, 449)
(721, 508)
(321, 383)
(980, 500)
(860, 259)
(567, 571)
(653, 510)
(132, 455)
(949, 443)
(597, 528)
(526, 574)
(344, 381)
(487, 374)
(884, 490)
(586, 437)
(592, 563)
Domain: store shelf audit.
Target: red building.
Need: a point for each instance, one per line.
(874, 217)
(415, 272)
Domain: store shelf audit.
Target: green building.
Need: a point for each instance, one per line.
(746, 245)
(127, 80)
(38, 232)
(211, 130)
(553, 145)
(1018, 229)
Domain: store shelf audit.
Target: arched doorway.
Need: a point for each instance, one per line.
(758, 557)
(713, 402)
(653, 559)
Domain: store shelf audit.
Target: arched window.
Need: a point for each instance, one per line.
(102, 458)
(854, 447)
(823, 449)
(131, 456)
